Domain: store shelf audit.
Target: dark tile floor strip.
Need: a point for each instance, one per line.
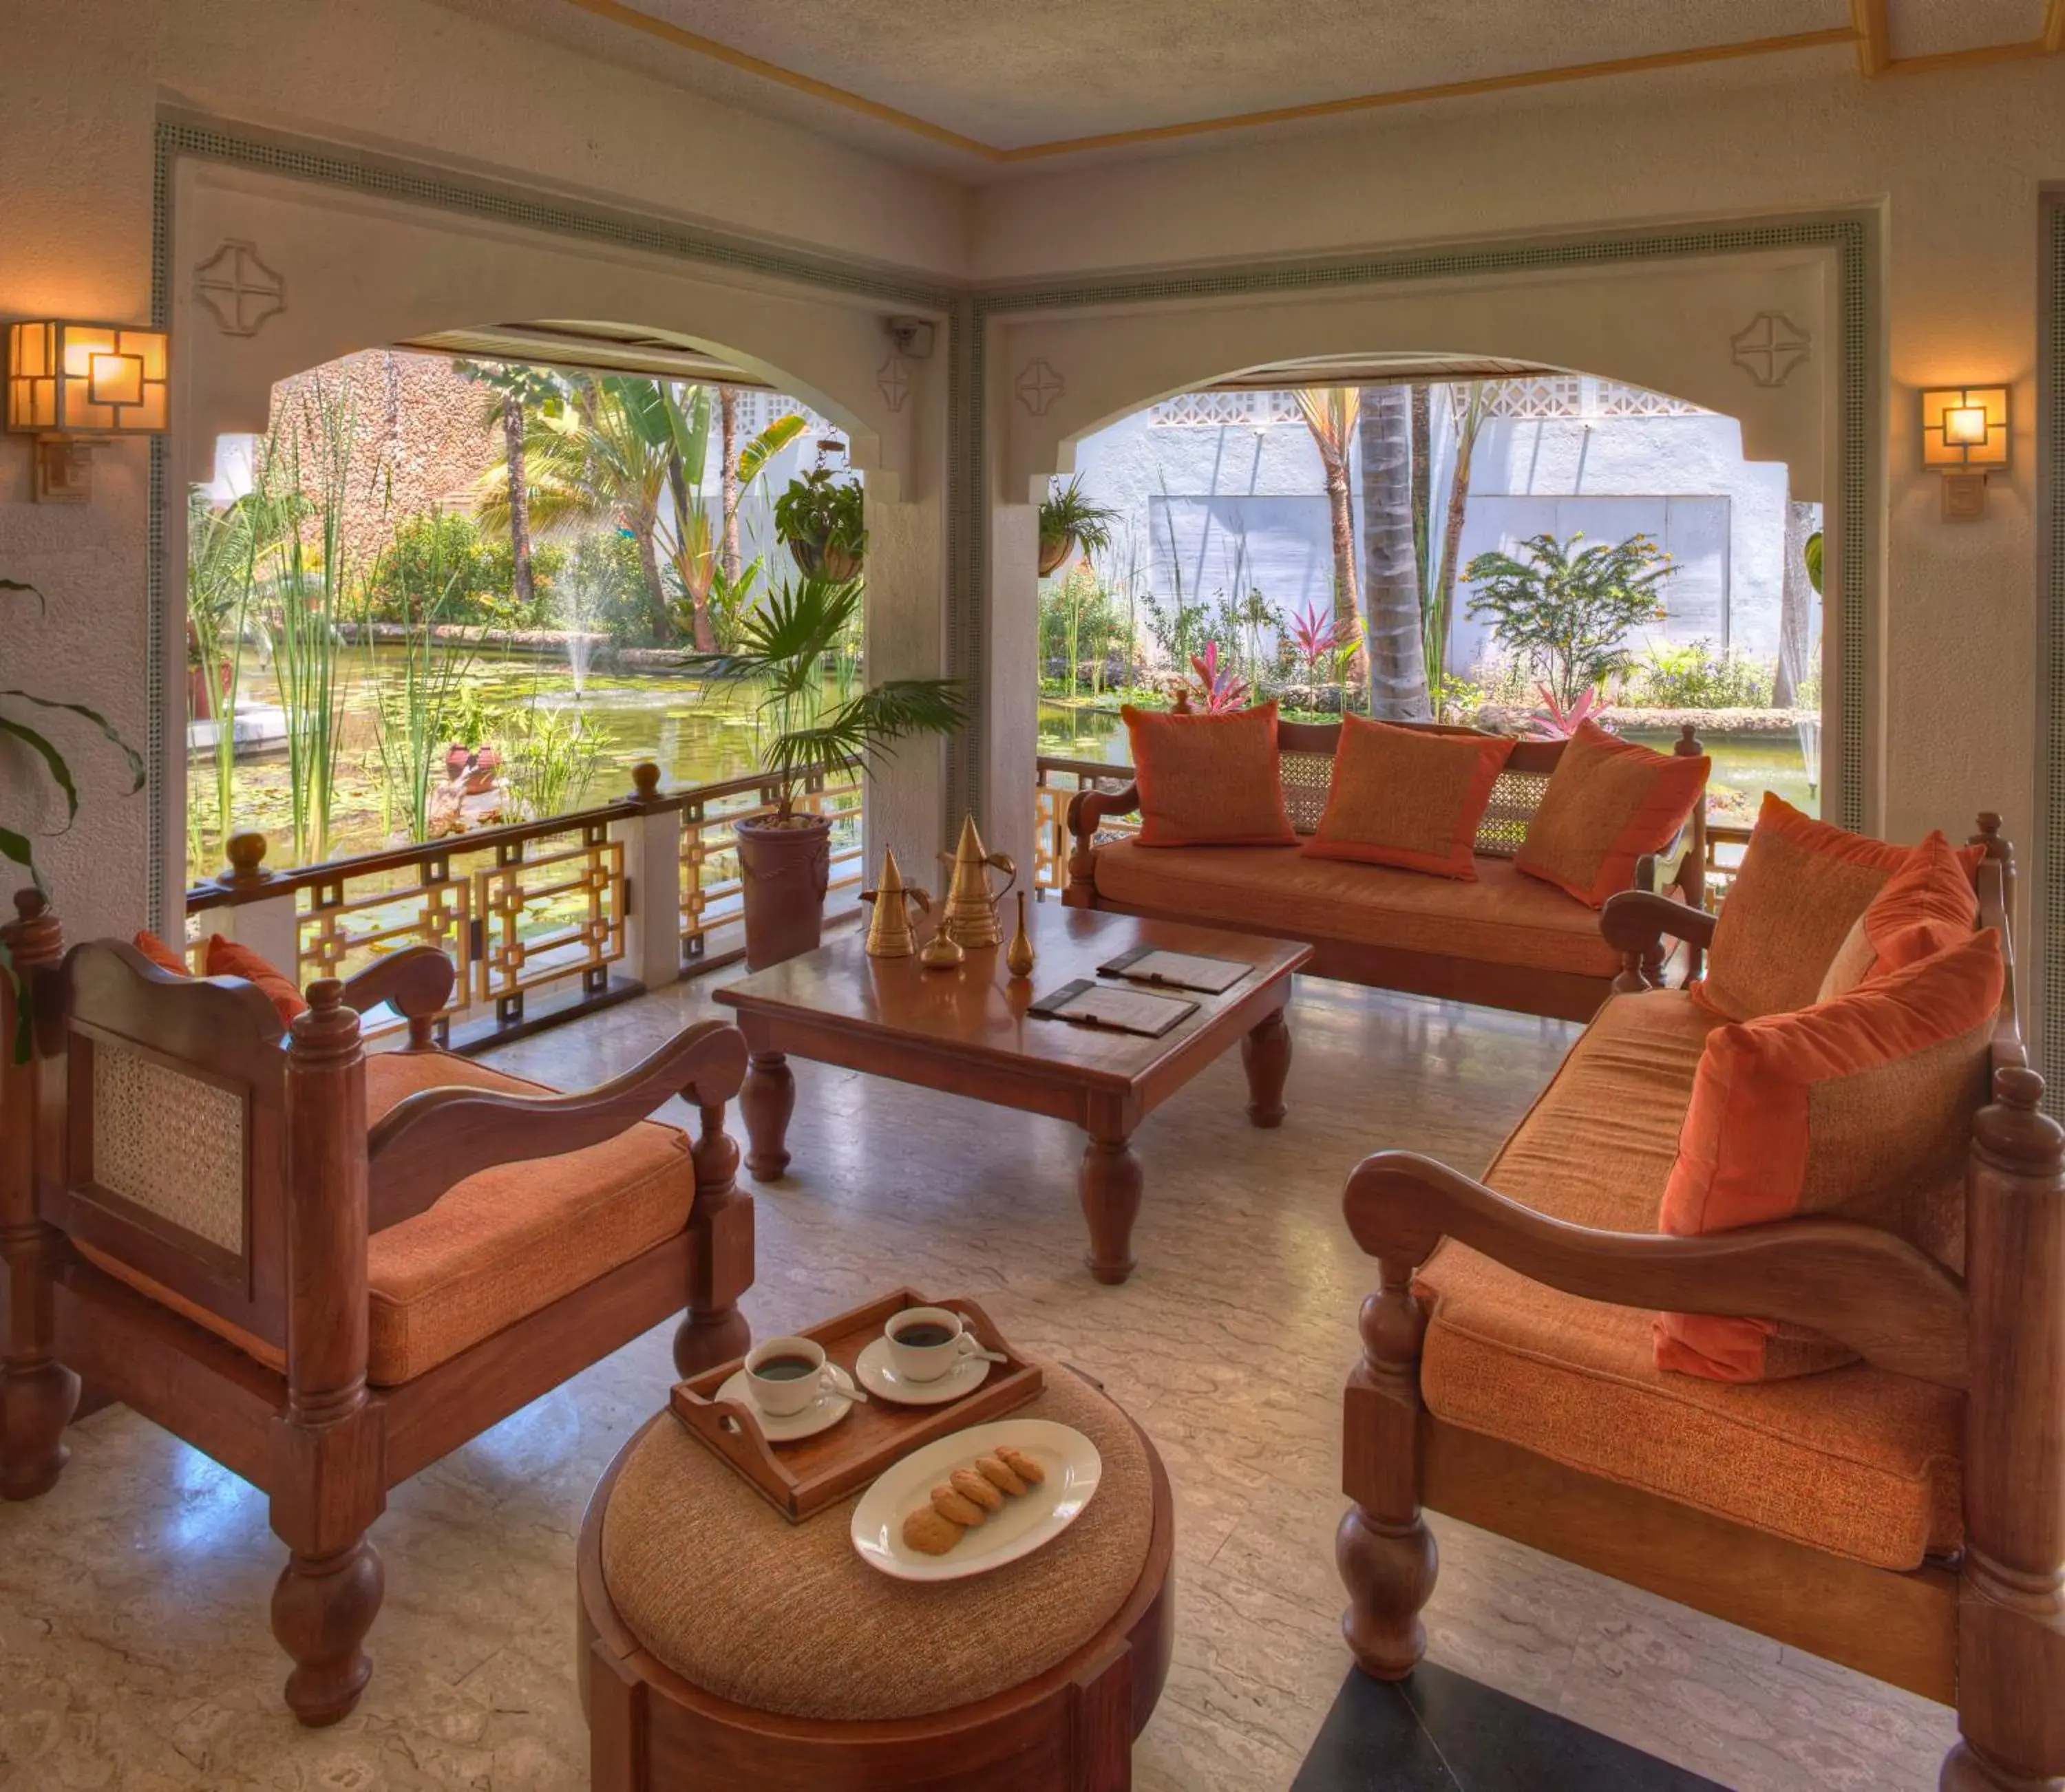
(1440, 1731)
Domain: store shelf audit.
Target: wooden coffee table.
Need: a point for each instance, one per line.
(965, 1031)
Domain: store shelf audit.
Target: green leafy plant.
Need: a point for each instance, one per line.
(823, 520)
(786, 648)
(1069, 522)
(1694, 676)
(1568, 610)
(550, 756)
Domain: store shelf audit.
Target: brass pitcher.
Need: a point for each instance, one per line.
(970, 915)
(890, 934)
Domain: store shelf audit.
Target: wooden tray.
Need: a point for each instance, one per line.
(803, 1478)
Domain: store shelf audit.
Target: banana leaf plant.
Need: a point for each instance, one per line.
(16, 846)
(790, 648)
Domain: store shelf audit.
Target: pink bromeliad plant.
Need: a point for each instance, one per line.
(1216, 689)
(1555, 722)
(1318, 637)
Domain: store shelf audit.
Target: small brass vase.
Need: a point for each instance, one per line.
(890, 933)
(1018, 955)
(969, 915)
(942, 952)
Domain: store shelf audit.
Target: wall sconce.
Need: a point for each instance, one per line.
(1964, 436)
(72, 384)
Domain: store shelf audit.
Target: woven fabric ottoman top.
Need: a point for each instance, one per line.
(786, 1619)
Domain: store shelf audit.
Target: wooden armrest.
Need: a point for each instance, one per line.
(436, 1137)
(1639, 920)
(1087, 809)
(416, 983)
(1894, 1305)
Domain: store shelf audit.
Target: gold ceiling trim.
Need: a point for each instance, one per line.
(1867, 31)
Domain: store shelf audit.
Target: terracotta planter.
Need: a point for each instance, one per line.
(1053, 554)
(808, 556)
(786, 872)
(821, 560)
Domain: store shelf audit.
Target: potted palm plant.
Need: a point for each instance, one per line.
(1069, 522)
(794, 650)
(820, 518)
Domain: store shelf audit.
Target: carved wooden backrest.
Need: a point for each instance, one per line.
(172, 1147)
(1305, 765)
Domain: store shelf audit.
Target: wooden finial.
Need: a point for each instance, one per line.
(326, 993)
(646, 780)
(30, 902)
(247, 858)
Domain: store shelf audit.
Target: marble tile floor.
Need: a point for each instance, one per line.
(134, 1649)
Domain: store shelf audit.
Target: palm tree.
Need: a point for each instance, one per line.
(1470, 405)
(517, 392)
(727, 414)
(1330, 414)
(1390, 570)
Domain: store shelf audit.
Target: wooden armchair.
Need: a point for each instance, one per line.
(1975, 1368)
(306, 1261)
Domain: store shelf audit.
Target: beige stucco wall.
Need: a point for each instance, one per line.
(85, 80)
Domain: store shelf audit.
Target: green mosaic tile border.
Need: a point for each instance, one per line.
(1851, 236)
(2049, 853)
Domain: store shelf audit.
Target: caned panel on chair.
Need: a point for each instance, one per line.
(1305, 777)
(169, 1144)
(1514, 799)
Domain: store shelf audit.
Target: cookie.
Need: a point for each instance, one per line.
(971, 1485)
(926, 1532)
(958, 1507)
(1027, 1470)
(1000, 1475)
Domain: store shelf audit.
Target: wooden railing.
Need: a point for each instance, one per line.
(1725, 842)
(574, 910)
(1057, 782)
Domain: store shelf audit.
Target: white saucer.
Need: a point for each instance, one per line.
(824, 1412)
(877, 1374)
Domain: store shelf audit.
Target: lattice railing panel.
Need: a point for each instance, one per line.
(712, 893)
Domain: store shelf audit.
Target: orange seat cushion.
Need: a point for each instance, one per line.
(494, 1249)
(1859, 1461)
(1860, 1107)
(1609, 803)
(1208, 780)
(510, 1241)
(1931, 897)
(1407, 797)
(1500, 918)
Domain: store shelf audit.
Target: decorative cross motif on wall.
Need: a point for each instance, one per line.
(892, 380)
(1038, 386)
(1770, 346)
(239, 288)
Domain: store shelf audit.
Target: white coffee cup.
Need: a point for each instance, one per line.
(928, 1362)
(782, 1396)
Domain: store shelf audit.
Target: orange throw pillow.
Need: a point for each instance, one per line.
(227, 958)
(1404, 796)
(160, 954)
(1608, 802)
(1860, 1108)
(1209, 780)
(1931, 895)
(1802, 886)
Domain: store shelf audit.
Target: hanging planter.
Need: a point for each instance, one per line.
(820, 521)
(1069, 523)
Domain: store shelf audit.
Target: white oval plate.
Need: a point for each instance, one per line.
(1035, 1517)
(877, 1374)
(821, 1414)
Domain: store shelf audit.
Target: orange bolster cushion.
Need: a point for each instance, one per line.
(161, 955)
(1859, 1108)
(1609, 802)
(1931, 896)
(1403, 796)
(1802, 887)
(227, 958)
(1209, 780)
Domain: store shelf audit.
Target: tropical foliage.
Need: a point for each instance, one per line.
(1570, 611)
(1070, 522)
(1331, 414)
(823, 520)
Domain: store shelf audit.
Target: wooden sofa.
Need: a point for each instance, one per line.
(1507, 940)
(1903, 1515)
(304, 1260)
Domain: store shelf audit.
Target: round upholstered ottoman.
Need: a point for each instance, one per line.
(724, 1648)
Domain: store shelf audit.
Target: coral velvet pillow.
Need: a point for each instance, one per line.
(159, 953)
(227, 958)
(1407, 797)
(1608, 802)
(1928, 904)
(1209, 780)
(1859, 1108)
(1802, 887)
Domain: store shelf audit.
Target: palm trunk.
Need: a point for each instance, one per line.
(677, 482)
(1467, 422)
(1342, 502)
(1795, 602)
(523, 584)
(649, 563)
(727, 414)
(1390, 570)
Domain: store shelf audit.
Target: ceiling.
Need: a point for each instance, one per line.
(980, 84)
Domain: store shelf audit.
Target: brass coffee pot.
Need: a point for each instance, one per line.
(890, 934)
(969, 916)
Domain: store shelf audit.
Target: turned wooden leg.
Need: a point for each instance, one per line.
(713, 1330)
(767, 1100)
(36, 1404)
(1109, 1185)
(1383, 1549)
(1266, 1052)
(322, 1608)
